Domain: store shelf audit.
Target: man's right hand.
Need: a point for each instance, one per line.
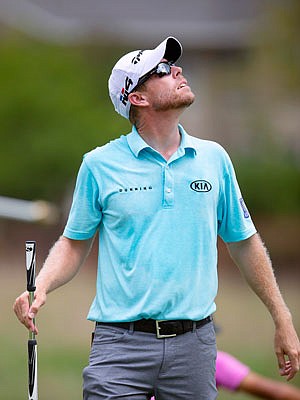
(25, 313)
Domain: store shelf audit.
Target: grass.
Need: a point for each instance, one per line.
(64, 338)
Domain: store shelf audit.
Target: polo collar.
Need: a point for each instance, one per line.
(187, 141)
(137, 143)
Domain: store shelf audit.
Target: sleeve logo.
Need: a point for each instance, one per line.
(244, 208)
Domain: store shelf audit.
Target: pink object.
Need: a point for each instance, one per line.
(229, 371)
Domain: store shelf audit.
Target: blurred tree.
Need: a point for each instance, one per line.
(54, 107)
(271, 184)
(278, 50)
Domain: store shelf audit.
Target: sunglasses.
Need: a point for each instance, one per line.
(161, 69)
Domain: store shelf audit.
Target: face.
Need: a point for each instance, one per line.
(169, 92)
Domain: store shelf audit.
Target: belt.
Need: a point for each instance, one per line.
(162, 328)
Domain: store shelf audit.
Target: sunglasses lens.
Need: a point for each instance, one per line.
(163, 69)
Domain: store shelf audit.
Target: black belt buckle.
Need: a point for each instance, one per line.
(158, 328)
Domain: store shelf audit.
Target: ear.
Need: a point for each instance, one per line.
(138, 99)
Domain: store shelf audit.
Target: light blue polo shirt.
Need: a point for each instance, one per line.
(158, 224)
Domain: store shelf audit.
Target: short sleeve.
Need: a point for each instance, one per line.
(85, 214)
(234, 220)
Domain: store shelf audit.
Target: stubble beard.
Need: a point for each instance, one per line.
(168, 101)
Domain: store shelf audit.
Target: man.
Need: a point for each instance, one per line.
(159, 199)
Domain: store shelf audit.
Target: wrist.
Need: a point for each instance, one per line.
(283, 318)
(40, 288)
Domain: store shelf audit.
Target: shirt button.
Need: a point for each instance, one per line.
(169, 190)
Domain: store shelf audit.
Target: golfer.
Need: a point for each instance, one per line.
(159, 199)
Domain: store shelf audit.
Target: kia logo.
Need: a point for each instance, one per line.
(201, 186)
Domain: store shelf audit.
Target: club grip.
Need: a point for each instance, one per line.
(30, 264)
(32, 370)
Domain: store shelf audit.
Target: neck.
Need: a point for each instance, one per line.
(161, 133)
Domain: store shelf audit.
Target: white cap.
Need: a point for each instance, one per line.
(131, 67)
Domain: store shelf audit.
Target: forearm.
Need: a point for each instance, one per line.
(63, 262)
(255, 265)
(252, 258)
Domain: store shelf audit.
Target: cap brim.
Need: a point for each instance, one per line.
(173, 49)
(170, 49)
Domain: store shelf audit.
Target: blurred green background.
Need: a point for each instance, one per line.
(54, 107)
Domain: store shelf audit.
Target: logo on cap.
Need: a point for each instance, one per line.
(137, 58)
(125, 90)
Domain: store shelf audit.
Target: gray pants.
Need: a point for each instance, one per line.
(127, 364)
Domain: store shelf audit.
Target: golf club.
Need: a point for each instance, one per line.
(32, 343)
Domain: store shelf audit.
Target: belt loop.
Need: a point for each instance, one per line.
(131, 328)
(194, 326)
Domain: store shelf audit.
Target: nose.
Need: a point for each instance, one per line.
(176, 70)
